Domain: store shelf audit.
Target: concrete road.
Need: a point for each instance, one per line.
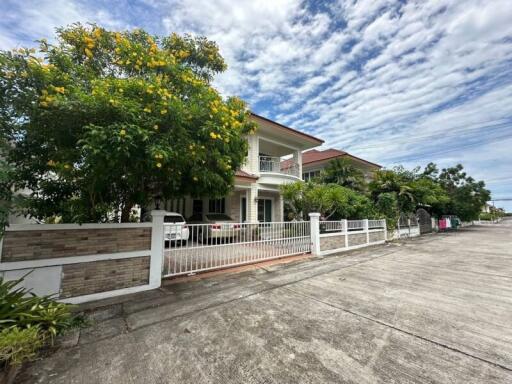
(437, 309)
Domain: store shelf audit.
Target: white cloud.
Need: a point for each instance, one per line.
(383, 78)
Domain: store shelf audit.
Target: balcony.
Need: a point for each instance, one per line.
(269, 164)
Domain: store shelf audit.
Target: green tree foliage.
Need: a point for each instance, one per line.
(466, 195)
(396, 182)
(449, 192)
(332, 201)
(103, 120)
(6, 194)
(343, 172)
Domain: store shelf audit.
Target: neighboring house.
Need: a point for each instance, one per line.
(314, 161)
(486, 208)
(256, 196)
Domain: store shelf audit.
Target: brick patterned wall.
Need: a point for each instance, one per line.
(376, 236)
(101, 276)
(356, 239)
(332, 242)
(48, 244)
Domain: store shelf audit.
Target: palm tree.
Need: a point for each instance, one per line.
(342, 172)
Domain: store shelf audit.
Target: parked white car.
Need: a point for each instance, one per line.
(175, 228)
(213, 226)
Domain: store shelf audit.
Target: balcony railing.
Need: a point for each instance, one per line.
(274, 165)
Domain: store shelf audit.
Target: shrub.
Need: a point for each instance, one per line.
(20, 344)
(20, 307)
(28, 321)
(486, 216)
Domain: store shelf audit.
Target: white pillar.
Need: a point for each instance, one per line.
(252, 163)
(344, 223)
(314, 223)
(252, 204)
(157, 248)
(280, 208)
(297, 159)
(365, 227)
(385, 230)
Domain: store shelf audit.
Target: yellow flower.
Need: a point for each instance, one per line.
(43, 104)
(67, 166)
(163, 111)
(59, 89)
(137, 67)
(112, 101)
(97, 33)
(150, 91)
(213, 135)
(155, 127)
(118, 37)
(159, 165)
(51, 163)
(147, 109)
(194, 178)
(122, 132)
(88, 53)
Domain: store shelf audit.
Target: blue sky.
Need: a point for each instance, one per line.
(395, 82)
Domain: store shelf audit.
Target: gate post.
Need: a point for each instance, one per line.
(367, 230)
(345, 231)
(157, 248)
(314, 224)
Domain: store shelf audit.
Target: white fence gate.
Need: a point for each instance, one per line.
(192, 248)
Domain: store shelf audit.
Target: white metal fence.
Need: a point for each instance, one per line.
(332, 226)
(342, 235)
(355, 225)
(201, 247)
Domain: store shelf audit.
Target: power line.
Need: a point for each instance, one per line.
(430, 135)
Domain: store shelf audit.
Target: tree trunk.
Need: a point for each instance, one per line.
(125, 213)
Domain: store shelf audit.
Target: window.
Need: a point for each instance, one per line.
(264, 210)
(306, 176)
(243, 207)
(217, 206)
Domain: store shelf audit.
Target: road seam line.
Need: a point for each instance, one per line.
(401, 330)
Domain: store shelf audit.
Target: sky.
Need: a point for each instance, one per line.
(394, 82)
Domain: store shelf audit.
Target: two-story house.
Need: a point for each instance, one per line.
(256, 196)
(314, 162)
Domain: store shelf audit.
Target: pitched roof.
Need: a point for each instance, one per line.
(314, 156)
(245, 175)
(290, 130)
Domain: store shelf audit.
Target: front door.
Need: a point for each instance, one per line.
(197, 207)
(264, 210)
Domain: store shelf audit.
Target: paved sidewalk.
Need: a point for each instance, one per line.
(436, 309)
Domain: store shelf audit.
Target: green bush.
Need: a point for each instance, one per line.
(20, 344)
(20, 307)
(28, 321)
(486, 216)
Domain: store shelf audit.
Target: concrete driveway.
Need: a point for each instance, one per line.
(432, 310)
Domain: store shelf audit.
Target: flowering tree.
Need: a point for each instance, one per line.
(101, 121)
